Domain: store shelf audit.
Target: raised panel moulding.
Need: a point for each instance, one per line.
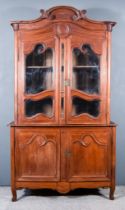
(83, 143)
(41, 140)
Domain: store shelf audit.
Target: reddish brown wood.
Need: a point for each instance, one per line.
(13, 166)
(61, 186)
(43, 159)
(87, 158)
(93, 147)
(98, 42)
(62, 152)
(70, 27)
(113, 162)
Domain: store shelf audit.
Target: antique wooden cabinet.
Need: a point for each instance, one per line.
(62, 137)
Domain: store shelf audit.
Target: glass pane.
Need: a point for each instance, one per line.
(62, 80)
(86, 70)
(39, 70)
(44, 106)
(86, 79)
(38, 79)
(80, 106)
(62, 67)
(62, 107)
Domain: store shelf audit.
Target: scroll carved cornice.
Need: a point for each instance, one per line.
(16, 27)
(41, 140)
(109, 25)
(63, 12)
(46, 14)
(57, 13)
(79, 15)
(86, 143)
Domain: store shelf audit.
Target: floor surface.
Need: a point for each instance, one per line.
(75, 200)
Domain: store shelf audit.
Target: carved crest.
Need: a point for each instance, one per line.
(63, 30)
(62, 13)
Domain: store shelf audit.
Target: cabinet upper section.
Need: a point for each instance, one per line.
(62, 55)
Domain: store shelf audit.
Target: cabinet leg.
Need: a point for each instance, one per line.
(14, 195)
(111, 194)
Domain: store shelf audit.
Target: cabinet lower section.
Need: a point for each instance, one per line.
(62, 158)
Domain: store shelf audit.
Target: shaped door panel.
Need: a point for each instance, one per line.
(87, 154)
(37, 154)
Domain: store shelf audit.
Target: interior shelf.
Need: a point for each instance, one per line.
(30, 67)
(85, 66)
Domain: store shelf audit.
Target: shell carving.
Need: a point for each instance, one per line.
(63, 30)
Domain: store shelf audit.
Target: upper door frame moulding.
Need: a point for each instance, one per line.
(65, 13)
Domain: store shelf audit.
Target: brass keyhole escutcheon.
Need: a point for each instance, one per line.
(67, 82)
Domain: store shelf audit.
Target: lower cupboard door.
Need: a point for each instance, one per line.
(89, 155)
(37, 154)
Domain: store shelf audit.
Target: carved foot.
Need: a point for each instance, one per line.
(14, 196)
(111, 194)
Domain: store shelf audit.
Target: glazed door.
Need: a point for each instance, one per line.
(37, 154)
(87, 78)
(86, 154)
(37, 77)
